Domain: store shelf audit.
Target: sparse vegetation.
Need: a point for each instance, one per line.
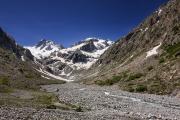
(78, 109)
(4, 80)
(20, 75)
(162, 60)
(173, 50)
(141, 88)
(45, 99)
(17, 75)
(39, 100)
(5, 89)
(113, 80)
(134, 76)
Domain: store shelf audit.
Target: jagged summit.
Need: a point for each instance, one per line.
(48, 43)
(94, 40)
(44, 48)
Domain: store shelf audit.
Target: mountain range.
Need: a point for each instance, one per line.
(147, 58)
(136, 77)
(60, 62)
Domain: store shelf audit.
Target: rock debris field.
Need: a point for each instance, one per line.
(99, 103)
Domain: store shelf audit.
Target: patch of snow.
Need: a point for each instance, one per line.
(159, 11)
(69, 74)
(22, 58)
(131, 56)
(45, 77)
(74, 48)
(41, 53)
(63, 73)
(146, 29)
(153, 51)
(53, 76)
(110, 42)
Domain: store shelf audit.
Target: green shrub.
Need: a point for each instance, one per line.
(135, 76)
(141, 88)
(173, 49)
(162, 60)
(4, 80)
(78, 109)
(176, 29)
(115, 79)
(51, 107)
(150, 68)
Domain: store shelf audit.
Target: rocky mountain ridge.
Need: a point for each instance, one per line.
(65, 63)
(8, 43)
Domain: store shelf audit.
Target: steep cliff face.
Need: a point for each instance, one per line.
(151, 50)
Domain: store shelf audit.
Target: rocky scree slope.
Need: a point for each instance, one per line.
(147, 59)
(67, 63)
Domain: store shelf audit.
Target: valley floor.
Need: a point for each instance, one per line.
(102, 103)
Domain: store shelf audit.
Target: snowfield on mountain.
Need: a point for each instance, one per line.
(64, 62)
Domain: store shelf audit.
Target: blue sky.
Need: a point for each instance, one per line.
(68, 21)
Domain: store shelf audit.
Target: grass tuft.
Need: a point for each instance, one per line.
(134, 76)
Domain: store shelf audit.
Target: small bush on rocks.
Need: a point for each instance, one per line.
(141, 88)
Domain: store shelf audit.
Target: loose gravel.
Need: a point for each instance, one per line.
(99, 103)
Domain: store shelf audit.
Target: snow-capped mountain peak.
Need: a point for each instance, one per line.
(65, 62)
(91, 44)
(44, 48)
(49, 44)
